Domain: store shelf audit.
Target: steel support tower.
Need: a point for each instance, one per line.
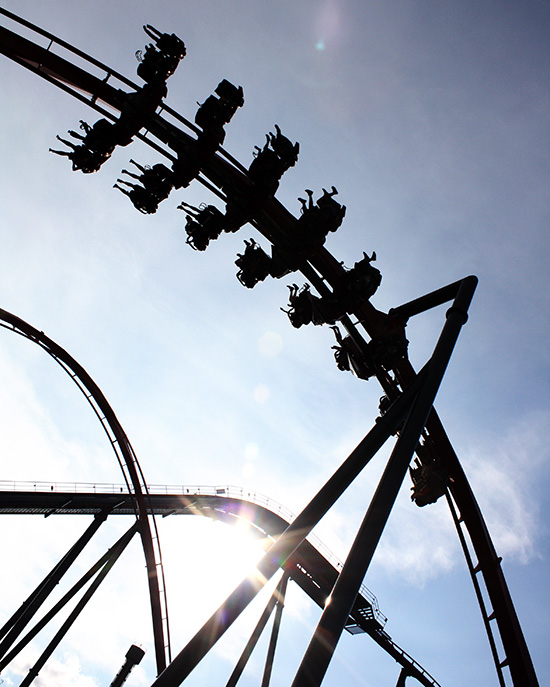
(373, 346)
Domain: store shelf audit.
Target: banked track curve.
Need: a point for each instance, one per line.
(226, 178)
(312, 567)
(131, 470)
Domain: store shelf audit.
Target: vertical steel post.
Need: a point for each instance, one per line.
(253, 640)
(133, 657)
(281, 593)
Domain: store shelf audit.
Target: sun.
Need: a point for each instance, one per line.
(204, 560)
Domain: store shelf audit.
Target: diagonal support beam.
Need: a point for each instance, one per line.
(331, 625)
(20, 619)
(103, 565)
(255, 636)
(130, 468)
(281, 594)
(277, 555)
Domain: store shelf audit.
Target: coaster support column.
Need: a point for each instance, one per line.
(331, 625)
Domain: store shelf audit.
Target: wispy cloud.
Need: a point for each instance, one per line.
(504, 473)
(62, 671)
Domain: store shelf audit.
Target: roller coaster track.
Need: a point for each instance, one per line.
(313, 567)
(131, 470)
(227, 179)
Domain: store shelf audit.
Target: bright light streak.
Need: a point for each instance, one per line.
(204, 560)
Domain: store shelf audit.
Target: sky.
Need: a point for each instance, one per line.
(432, 120)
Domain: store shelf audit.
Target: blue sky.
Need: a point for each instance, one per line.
(431, 119)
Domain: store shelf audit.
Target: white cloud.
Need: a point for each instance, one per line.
(64, 671)
(437, 176)
(503, 472)
(421, 543)
(418, 544)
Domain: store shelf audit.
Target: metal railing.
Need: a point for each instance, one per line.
(219, 491)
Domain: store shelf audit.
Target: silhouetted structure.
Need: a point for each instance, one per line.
(216, 111)
(159, 61)
(133, 658)
(254, 264)
(156, 184)
(204, 224)
(297, 244)
(98, 143)
(272, 161)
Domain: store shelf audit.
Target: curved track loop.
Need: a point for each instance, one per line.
(226, 178)
(131, 470)
(313, 567)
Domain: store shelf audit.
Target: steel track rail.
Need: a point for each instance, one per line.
(226, 178)
(312, 566)
(131, 470)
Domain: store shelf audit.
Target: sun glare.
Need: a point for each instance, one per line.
(238, 548)
(205, 560)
